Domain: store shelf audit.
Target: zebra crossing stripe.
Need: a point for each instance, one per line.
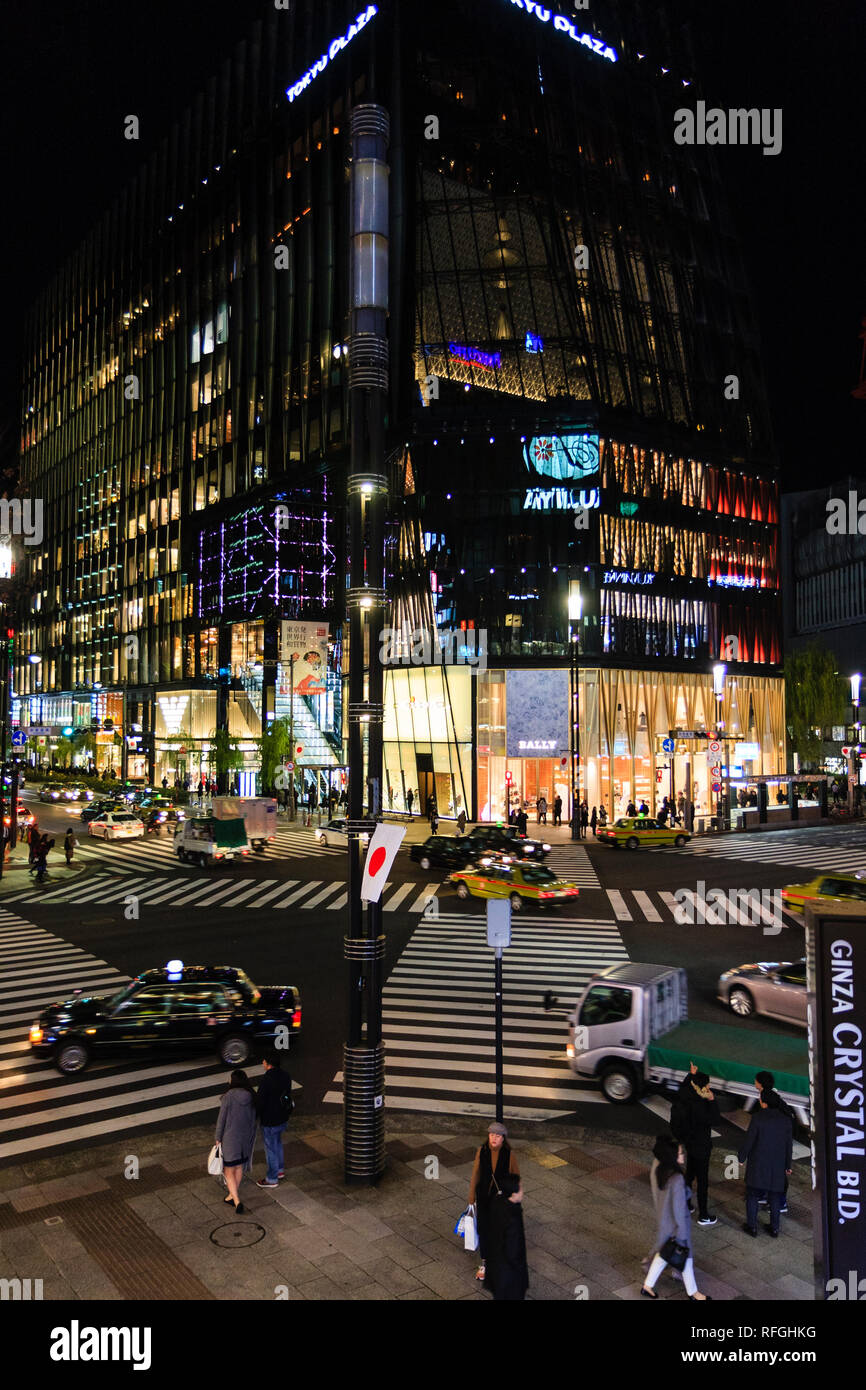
(424, 897)
(220, 893)
(339, 902)
(272, 892)
(325, 892)
(645, 903)
(617, 902)
(298, 893)
(246, 892)
(670, 903)
(52, 1139)
(396, 898)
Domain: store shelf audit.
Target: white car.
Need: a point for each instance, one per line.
(116, 825)
(335, 833)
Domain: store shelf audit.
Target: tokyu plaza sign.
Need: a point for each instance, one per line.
(335, 46)
(566, 26)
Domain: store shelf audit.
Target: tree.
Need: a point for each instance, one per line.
(226, 754)
(814, 699)
(274, 745)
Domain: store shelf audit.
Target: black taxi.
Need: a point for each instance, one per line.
(167, 1011)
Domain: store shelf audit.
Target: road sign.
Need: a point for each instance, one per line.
(716, 771)
(37, 731)
(717, 787)
(715, 746)
(18, 739)
(290, 767)
(667, 745)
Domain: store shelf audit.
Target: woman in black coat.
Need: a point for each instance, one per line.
(497, 1191)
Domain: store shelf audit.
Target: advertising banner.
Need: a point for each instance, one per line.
(304, 654)
(836, 982)
(536, 706)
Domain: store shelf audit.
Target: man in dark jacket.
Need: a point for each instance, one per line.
(693, 1115)
(274, 1105)
(766, 1151)
(765, 1081)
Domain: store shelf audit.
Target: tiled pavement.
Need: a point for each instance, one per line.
(90, 1232)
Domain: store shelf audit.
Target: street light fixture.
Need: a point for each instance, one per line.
(853, 760)
(575, 616)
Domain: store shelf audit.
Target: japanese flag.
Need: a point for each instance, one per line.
(384, 844)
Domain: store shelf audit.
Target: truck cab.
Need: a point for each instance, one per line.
(204, 840)
(621, 1010)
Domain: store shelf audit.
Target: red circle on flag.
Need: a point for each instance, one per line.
(377, 859)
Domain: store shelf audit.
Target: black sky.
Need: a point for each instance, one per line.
(71, 72)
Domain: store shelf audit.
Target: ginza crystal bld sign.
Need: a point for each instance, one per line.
(335, 46)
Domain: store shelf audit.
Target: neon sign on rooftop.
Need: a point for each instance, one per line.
(567, 26)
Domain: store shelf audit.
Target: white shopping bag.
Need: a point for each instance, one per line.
(215, 1161)
(470, 1230)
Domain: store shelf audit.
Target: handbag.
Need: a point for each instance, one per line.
(470, 1230)
(215, 1161)
(674, 1254)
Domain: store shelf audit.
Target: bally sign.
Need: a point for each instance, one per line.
(836, 965)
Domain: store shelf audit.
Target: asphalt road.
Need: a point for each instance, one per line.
(302, 945)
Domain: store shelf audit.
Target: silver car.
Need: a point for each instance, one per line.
(774, 988)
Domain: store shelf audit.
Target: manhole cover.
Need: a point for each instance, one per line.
(239, 1234)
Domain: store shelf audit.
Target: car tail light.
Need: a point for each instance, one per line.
(569, 1051)
(217, 856)
(296, 1018)
(547, 895)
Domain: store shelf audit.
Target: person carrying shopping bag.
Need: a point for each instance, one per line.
(673, 1237)
(236, 1134)
(496, 1191)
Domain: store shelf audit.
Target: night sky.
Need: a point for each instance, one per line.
(71, 72)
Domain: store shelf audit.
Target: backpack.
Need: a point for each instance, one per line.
(287, 1105)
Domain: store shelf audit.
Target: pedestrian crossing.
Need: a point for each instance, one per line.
(40, 1110)
(157, 852)
(572, 862)
(658, 907)
(438, 1016)
(148, 890)
(770, 849)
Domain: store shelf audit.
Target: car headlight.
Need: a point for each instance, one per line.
(36, 1033)
(727, 975)
(546, 848)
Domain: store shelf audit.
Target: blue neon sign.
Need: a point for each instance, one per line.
(335, 46)
(567, 26)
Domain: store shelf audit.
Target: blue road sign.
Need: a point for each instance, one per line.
(667, 745)
(18, 739)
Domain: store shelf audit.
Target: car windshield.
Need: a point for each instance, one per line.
(537, 873)
(118, 998)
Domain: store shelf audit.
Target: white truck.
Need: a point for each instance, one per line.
(259, 814)
(630, 1030)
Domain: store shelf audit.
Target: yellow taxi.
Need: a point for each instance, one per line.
(824, 889)
(498, 876)
(641, 832)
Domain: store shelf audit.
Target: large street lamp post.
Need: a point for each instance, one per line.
(364, 948)
(575, 614)
(723, 797)
(853, 760)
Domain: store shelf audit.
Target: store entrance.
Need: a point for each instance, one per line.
(537, 778)
(426, 782)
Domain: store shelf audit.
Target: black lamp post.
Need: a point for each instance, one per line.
(575, 614)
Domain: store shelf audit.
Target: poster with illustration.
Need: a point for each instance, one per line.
(304, 653)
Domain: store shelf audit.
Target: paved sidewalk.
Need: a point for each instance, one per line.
(90, 1230)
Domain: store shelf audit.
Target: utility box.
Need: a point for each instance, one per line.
(498, 923)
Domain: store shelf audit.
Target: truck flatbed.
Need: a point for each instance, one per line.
(732, 1054)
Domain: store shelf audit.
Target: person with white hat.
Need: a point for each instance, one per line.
(496, 1189)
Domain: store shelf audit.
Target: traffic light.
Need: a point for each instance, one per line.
(509, 778)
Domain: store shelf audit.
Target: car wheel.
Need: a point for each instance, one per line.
(425, 862)
(516, 902)
(741, 1002)
(618, 1083)
(235, 1050)
(632, 842)
(71, 1057)
(680, 841)
(181, 854)
(462, 890)
(202, 861)
(323, 840)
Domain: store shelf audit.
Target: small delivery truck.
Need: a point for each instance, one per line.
(259, 814)
(630, 1030)
(206, 841)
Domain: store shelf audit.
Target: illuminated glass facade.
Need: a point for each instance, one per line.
(575, 382)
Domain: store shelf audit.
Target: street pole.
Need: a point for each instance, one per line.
(498, 1027)
(364, 947)
(292, 735)
(575, 613)
(499, 937)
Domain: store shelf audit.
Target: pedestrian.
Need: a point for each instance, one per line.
(40, 861)
(461, 822)
(663, 1149)
(681, 806)
(236, 1134)
(69, 845)
(557, 811)
(165, 783)
(434, 819)
(541, 808)
(522, 821)
(33, 839)
(497, 1191)
(766, 1151)
(662, 816)
(766, 1081)
(602, 817)
(584, 819)
(274, 1106)
(673, 1220)
(643, 809)
(694, 1113)
(593, 820)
